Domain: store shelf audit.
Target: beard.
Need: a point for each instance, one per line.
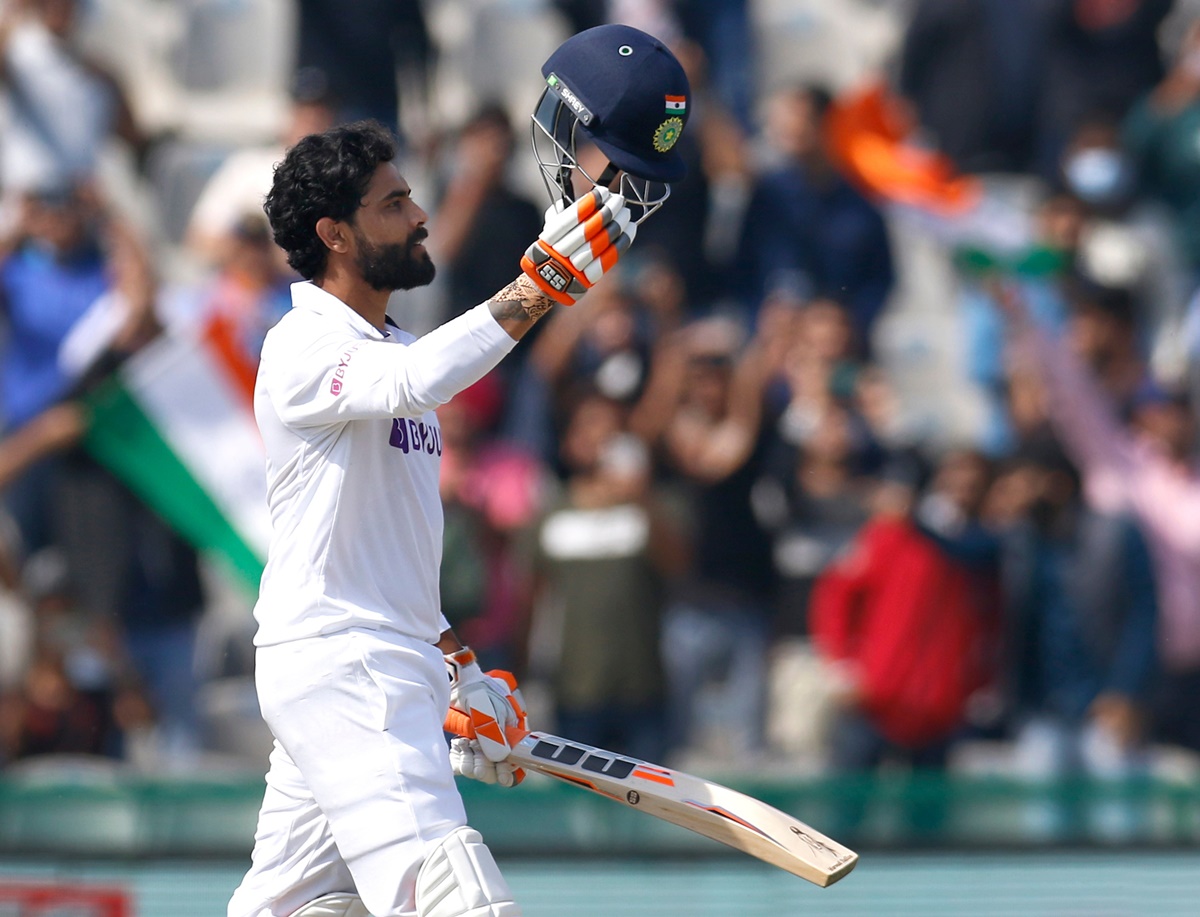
(396, 266)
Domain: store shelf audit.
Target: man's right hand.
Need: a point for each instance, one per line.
(579, 244)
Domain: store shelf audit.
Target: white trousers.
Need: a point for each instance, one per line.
(359, 788)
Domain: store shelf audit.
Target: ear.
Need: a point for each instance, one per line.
(334, 234)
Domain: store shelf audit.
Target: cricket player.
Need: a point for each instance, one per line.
(356, 667)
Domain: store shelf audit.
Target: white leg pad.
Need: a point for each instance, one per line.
(461, 879)
(339, 904)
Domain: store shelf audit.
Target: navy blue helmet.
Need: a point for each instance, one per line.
(623, 91)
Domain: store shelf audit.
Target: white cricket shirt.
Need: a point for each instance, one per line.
(353, 452)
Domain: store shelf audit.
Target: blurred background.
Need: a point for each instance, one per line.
(867, 485)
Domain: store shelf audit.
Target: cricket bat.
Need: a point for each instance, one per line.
(695, 803)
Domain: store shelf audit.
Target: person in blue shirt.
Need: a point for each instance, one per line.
(808, 229)
(1081, 616)
(76, 295)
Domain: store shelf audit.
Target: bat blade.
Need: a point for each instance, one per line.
(700, 805)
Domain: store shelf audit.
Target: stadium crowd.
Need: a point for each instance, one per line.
(707, 515)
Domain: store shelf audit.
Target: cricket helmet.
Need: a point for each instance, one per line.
(624, 92)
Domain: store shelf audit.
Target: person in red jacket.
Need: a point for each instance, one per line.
(907, 621)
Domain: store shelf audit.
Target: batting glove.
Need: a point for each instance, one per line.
(491, 703)
(579, 244)
(468, 760)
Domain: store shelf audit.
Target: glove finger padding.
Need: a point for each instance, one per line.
(467, 760)
(579, 245)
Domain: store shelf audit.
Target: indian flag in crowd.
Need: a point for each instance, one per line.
(175, 422)
(676, 105)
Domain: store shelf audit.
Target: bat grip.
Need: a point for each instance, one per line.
(459, 723)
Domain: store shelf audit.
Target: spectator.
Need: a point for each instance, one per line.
(1159, 132)
(1101, 57)
(481, 219)
(362, 49)
(818, 504)
(60, 108)
(806, 228)
(58, 273)
(725, 32)
(608, 346)
(906, 622)
(1128, 241)
(703, 406)
(605, 549)
(1147, 469)
(77, 293)
(972, 70)
(248, 293)
(1102, 328)
(1081, 617)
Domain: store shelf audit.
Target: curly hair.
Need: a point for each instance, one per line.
(323, 175)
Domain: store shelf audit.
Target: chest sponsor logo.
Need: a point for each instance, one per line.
(415, 436)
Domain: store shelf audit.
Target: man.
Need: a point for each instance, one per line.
(361, 813)
(806, 228)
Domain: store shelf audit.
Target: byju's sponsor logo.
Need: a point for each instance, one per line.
(335, 384)
(415, 436)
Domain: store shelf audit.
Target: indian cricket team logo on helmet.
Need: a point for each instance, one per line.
(667, 133)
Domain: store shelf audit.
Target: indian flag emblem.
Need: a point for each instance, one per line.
(676, 105)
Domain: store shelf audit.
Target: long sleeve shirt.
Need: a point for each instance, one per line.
(353, 456)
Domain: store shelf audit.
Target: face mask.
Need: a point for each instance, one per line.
(1099, 175)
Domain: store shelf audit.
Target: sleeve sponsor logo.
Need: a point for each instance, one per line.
(339, 373)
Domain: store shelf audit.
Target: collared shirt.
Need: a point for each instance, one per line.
(353, 449)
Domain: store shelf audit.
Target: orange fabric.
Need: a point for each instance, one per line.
(867, 137)
(220, 335)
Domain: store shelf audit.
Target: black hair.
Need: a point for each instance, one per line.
(1116, 302)
(323, 175)
(1042, 449)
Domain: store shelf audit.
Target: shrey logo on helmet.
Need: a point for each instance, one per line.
(622, 91)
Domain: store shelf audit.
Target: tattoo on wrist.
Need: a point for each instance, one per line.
(521, 301)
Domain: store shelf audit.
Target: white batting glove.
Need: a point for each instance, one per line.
(468, 760)
(579, 244)
(493, 705)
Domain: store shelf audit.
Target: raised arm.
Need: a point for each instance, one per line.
(1082, 415)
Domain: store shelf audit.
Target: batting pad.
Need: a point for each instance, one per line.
(461, 879)
(339, 904)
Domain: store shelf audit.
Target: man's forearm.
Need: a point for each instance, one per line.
(518, 306)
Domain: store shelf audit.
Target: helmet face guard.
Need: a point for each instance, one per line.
(555, 132)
